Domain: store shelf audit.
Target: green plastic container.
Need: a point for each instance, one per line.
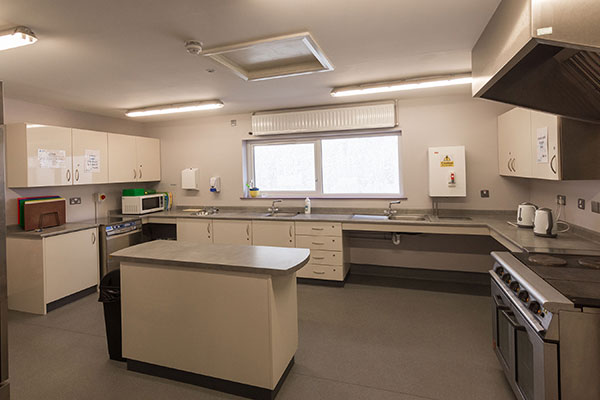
(137, 192)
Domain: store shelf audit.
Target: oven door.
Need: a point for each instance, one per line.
(530, 363)
(152, 203)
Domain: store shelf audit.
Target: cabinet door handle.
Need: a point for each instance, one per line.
(68, 175)
(291, 231)
(318, 258)
(317, 229)
(508, 164)
(552, 166)
(318, 243)
(208, 228)
(134, 174)
(140, 173)
(93, 237)
(319, 272)
(512, 164)
(248, 230)
(77, 175)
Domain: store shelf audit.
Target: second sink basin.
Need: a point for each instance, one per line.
(281, 215)
(396, 217)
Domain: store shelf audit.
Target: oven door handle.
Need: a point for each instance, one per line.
(498, 305)
(511, 321)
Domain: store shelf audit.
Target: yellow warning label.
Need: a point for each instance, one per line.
(447, 162)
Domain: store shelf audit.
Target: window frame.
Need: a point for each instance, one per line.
(318, 192)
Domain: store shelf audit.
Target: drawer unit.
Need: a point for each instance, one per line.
(319, 228)
(326, 244)
(317, 271)
(326, 257)
(319, 242)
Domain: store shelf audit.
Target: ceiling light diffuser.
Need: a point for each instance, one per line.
(175, 108)
(16, 37)
(407, 84)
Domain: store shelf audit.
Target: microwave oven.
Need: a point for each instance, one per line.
(143, 204)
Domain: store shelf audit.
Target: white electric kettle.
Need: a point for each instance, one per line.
(526, 215)
(543, 224)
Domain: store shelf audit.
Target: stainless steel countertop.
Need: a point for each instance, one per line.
(236, 258)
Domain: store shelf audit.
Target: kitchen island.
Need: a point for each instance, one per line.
(219, 316)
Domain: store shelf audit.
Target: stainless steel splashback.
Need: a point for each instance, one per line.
(543, 55)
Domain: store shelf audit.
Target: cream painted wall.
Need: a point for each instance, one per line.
(214, 146)
(543, 193)
(20, 111)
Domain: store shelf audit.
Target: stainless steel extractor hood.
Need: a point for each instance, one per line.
(543, 55)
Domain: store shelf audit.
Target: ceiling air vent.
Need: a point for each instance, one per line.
(276, 57)
(326, 119)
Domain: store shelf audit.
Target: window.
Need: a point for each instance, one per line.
(353, 166)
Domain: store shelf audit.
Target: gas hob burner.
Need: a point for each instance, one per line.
(545, 260)
(589, 262)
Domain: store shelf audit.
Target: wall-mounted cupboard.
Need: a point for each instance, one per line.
(532, 144)
(42, 155)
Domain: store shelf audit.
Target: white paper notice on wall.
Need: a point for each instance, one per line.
(542, 145)
(52, 158)
(92, 161)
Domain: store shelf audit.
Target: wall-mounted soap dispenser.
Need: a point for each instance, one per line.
(215, 184)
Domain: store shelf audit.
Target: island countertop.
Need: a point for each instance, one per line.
(237, 258)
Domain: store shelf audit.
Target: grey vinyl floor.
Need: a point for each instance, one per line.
(356, 342)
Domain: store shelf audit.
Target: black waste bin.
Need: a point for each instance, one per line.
(110, 295)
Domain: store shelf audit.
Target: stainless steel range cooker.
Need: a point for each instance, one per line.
(546, 324)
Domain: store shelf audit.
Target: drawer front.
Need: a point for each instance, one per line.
(326, 257)
(326, 272)
(319, 242)
(319, 228)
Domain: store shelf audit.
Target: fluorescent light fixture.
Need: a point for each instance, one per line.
(16, 37)
(175, 108)
(407, 84)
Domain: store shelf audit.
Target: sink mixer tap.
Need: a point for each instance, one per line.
(390, 211)
(274, 210)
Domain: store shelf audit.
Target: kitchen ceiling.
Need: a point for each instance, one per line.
(106, 57)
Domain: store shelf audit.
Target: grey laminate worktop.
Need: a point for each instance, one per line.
(15, 231)
(238, 258)
(576, 240)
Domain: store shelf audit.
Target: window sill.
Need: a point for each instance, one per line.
(324, 198)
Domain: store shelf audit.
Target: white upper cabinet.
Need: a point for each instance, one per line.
(148, 158)
(133, 158)
(514, 143)
(38, 155)
(122, 162)
(42, 155)
(545, 146)
(529, 144)
(90, 157)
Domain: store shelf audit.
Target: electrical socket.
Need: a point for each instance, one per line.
(485, 193)
(74, 200)
(596, 207)
(561, 200)
(581, 204)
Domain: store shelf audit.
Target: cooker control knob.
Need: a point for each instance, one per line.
(524, 296)
(507, 278)
(500, 271)
(535, 307)
(514, 285)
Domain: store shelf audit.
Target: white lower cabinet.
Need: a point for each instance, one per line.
(70, 263)
(229, 231)
(273, 233)
(195, 230)
(41, 271)
(328, 253)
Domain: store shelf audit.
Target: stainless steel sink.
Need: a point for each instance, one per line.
(395, 217)
(408, 217)
(455, 218)
(281, 214)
